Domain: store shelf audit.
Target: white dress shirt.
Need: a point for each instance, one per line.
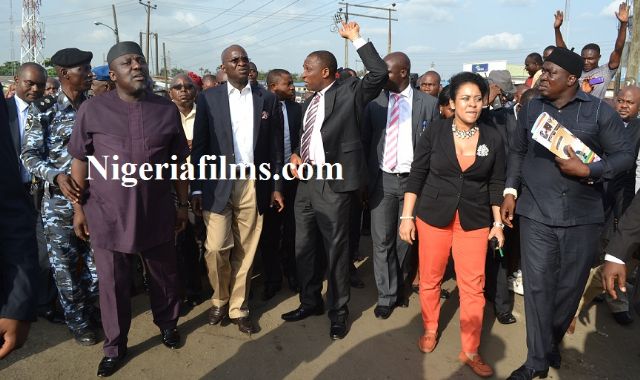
(287, 134)
(23, 111)
(316, 146)
(405, 140)
(241, 111)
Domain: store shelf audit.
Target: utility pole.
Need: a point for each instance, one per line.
(157, 67)
(166, 73)
(633, 59)
(388, 18)
(115, 22)
(148, 8)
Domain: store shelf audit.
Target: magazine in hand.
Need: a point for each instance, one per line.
(554, 136)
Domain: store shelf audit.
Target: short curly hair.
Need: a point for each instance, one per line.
(467, 77)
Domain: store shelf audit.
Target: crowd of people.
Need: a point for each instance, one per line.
(433, 174)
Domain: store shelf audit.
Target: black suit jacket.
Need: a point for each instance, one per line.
(14, 123)
(18, 248)
(294, 118)
(213, 135)
(443, 187)
(424, 110)
(344, 103)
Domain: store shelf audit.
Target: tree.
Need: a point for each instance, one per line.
(9, 68)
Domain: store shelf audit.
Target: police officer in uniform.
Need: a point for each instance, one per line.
(44, 153)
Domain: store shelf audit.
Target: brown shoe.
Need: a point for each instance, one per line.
(427, 342)
(477, 365)
(216, 314)
(244, 325)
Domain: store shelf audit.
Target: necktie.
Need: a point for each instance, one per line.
(308, 128)
(391, 137)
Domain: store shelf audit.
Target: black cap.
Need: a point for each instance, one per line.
(71, 57)
(567, 59)
(122, 48)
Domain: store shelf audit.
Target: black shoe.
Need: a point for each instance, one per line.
(170, 338)
(52, 316)
(217, 314)
(108, 366)
(555, 360)
(270, 291)
(526, 373)
(505, 318)
(85, 336)
(382, 312)
(338, 328)
(244, 325)
(623, 318)
(444, 294)
(301, 313)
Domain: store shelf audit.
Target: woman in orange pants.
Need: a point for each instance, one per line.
(458, 174)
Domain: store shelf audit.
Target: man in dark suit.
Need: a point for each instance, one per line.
(18, 248)
(392, 124)
(331, 138)
(560, 205)
(31, 80)
(239, 124)
(277, 243)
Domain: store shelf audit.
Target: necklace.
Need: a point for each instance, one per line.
(463, 134)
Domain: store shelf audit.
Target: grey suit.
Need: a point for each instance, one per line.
(387, 193)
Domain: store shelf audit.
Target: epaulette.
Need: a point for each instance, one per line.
(45, 103)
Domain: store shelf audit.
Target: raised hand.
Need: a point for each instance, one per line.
(559, 18)
(623, 13)
(350, 31)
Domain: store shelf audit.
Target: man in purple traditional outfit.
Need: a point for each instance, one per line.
(130, 127)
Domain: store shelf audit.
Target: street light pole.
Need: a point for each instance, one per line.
(115, 23)
(115, 31)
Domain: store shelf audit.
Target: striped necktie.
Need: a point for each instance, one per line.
(391, 137)
(308, 127)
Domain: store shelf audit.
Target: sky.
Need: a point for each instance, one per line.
(436, 34)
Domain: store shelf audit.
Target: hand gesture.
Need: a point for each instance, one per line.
(80, 226)
(586, 86)
(68, 186)
(612, 274)
(623, 13)
(498, 233)
(559, 18)
(350, 31)
(13, 334)
(295, 162)
(572, 166)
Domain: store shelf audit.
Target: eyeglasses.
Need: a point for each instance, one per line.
(242, 59)
(179, 87)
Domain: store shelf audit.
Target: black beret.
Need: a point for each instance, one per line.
(122, 48)
(567, 59)
(71, 57)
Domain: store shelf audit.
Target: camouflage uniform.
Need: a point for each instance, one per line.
(44, 154)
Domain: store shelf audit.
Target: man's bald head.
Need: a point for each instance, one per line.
(627, 102)
(429, 82)
(399, 68)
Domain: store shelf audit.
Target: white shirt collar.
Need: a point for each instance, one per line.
(230, 88)
(406, 93)
(22, 105)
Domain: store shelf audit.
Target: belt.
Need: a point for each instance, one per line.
(399, 175)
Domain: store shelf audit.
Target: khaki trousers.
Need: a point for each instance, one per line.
(232, 239)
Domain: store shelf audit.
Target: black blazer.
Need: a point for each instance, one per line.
(294, 117)
(18, 248)
(14, 123)
(213, 135)
(444, 188)
(424, 110)
(344, 103)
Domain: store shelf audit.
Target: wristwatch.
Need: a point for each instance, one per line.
(498, 224)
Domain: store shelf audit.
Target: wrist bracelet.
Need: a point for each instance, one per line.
(407, 217)
(498, 224)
